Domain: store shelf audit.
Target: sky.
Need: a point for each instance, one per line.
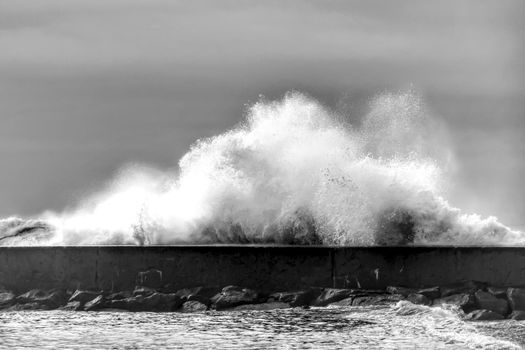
(89, 86)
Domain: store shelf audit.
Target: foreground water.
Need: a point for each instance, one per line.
(400, 326)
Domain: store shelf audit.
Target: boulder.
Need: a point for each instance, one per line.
(487, 301)
(370, 300)
(119, 295)
(144, 291)
(96, 304)
(7, 298)
(161, 302)
(431, 293)
(498, 292)
(297, 298)
(483, 315)
(465, 287)
(331, 295)
(151, 278)
(193, 306)
(516, 297)
(73, 306)
(400, 290)
(344, 302)
(419, 299)
(50, 299)
(262, 307)
(517, 315)
(232, 296)
(83, 296)
(201, 294)
(464, 301)
(135, 303)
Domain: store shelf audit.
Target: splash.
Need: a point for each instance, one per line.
(292, 172)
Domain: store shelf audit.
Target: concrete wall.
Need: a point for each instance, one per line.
(270, 268)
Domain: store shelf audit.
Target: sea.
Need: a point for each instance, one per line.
(399, 326)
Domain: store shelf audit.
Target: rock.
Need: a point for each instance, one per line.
(119, 295)
(466, 287)
(331, 295)
(232, 296)
(517, 315)
(419, 299)
(193, 306)
(72, 306)
(50, 299)
(201, 294)
(28, 306)
(6, 298)
(516, 297)
(498, 292)
(431, 293)
(297, 298)
(95, 304)
(139, 290)
(344, 302)
(162, 302)
(135, 303)
(487, 301)
(376, 299)
(152, 278)
(399, 290)
(483, 315)
(83, 296)
(464, 301)
(262, 307)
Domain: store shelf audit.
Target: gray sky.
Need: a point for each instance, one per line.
(87, 86)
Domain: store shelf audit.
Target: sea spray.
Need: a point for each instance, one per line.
(292, 172)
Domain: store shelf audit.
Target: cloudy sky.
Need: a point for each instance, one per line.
(87, 86)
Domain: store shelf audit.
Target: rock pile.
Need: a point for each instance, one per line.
(477, 300)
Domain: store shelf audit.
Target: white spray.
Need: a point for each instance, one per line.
(292, 172)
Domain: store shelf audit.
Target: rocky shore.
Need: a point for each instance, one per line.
(477, 300)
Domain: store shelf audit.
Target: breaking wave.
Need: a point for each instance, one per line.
(292, 172)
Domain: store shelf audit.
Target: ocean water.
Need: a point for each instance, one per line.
(400, 326)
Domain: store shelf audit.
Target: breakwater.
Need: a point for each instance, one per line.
(270, 268)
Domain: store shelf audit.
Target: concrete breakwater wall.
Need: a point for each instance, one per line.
(271, 268)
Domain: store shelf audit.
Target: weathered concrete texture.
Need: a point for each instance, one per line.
(265, 268)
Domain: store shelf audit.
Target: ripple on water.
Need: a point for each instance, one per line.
(401, 326)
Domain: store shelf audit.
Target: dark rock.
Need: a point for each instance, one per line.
(201, 294)
(135, 303)
(232, 296)
(193, 306)
(72, 306)
(50, 299)
(96, 304)
(162, 302)
(331, 295)
(466, 287)
(399, 290)
(419, 299)
(376, 300)
(262, 307)
(431, 293)
(517, 315)
(28, 306)
(6, 298)
(297, 298)
(83, 296)
(483, 315)
(144, 291)
(464, 301)
(516, 297)
(344, 302)
(498, 292)
(119, 295)
(487, 301)
(152, 278)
